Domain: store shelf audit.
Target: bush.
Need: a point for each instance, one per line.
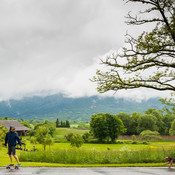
(69, 136)
(120, 142)
(134, 138)
(76, 141)
(150, 135)
(86, 136)
(124, 142)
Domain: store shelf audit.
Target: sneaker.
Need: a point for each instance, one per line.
(18, 164)
(11, 165)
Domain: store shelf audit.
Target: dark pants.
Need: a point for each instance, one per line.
(12, 150)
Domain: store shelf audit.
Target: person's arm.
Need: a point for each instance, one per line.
(167, 163)
(19, 140)
(6, 140)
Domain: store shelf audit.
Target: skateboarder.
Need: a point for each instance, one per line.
(10, 139)
(170, 160)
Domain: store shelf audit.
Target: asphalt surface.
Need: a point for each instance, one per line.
(89, 171)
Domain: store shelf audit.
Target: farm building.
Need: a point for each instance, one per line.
(19, 128)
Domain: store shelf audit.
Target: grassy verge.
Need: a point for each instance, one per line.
(39, 164)
(94, 155)
(76, 156)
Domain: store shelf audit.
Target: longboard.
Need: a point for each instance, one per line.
(15, 166)
(8, 167)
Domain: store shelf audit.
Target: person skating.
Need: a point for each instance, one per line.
(170, 160)
(11, 139)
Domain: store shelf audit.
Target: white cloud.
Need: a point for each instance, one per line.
(51, 46)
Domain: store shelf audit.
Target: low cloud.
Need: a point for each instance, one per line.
(54, 46)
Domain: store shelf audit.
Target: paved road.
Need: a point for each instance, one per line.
(89, 171)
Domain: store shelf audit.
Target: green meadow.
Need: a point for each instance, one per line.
(123, 153)
(61, 132)
(62, 154)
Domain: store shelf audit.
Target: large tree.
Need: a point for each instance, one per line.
(147, 122)
(98, 126)
(49, 125)
(159, 116)
(43, 137)
(106, 126)
(126, 119)
(172, 129)
(148, 60)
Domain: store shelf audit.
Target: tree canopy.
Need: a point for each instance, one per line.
(148, 60)
(106, 126)
(2, 133)
(43, 137)
(49, 125)
(147, 122)
(150, 135)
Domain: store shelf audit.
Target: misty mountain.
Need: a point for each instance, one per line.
(64, 108)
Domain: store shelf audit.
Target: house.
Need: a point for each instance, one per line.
(19, 128)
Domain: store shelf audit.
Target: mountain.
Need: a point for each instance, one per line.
(75, 109)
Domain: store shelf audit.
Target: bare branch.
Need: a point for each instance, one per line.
(153, 50)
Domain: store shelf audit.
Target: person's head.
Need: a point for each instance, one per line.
(167, 158)
(12, 128)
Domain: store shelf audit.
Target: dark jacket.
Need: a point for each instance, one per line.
(11, 138)
(172, 159)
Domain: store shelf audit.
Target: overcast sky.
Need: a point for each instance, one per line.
(54, 46)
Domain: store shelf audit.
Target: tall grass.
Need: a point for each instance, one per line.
(78, 156)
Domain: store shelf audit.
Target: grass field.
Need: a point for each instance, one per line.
(89, 146)
(61, 132)
(94, 154)
(62, 154)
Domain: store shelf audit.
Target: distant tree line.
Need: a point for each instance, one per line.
(152, 119)
(151, 122)
(62, 124)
